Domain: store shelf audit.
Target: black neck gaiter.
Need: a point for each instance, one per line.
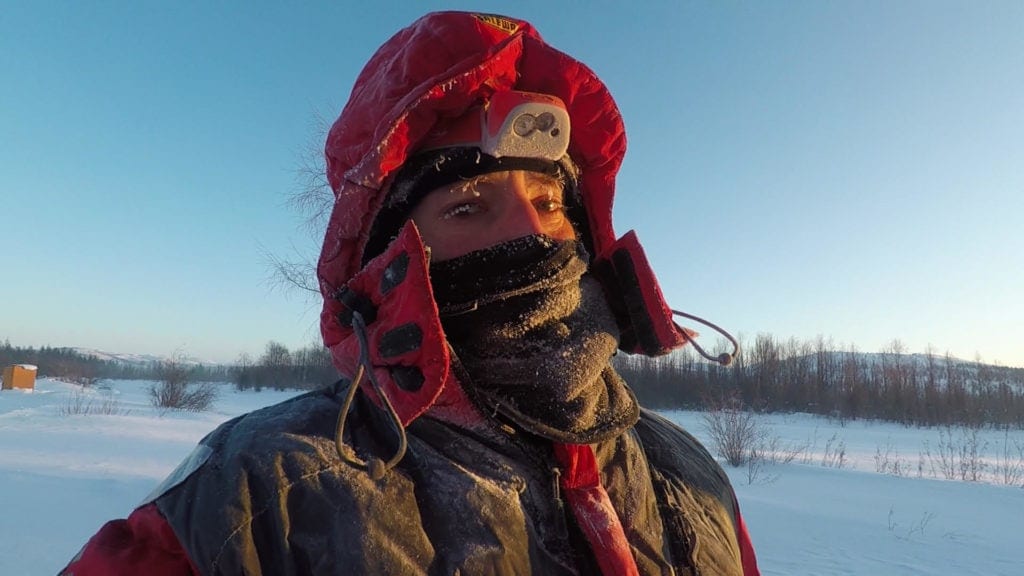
(534, 334)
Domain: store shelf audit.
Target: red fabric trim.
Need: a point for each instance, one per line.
(144, 543)
(747, 556)
(593, 510)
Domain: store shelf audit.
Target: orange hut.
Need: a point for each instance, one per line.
(21, 376)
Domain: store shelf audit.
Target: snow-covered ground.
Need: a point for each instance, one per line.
(62, 475)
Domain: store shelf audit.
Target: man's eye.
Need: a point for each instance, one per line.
(548, 206)
(460, 210)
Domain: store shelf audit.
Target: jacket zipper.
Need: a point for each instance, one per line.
(556, 478)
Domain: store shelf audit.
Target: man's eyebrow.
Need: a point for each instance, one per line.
(547, 181)
(465, 184)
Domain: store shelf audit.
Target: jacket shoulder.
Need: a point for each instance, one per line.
(676, 452)
(695, 497)
(311, 414)
(253, 435)
(273, 482)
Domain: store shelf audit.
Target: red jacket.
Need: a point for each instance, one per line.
(438, 68)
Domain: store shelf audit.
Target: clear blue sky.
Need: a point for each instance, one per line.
(853, 170)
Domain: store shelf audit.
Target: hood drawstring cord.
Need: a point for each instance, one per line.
(725, 358)
(375, 466)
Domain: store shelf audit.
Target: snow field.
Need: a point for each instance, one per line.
(62, 475)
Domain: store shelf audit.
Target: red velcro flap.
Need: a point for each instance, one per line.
(407, 348)
(645, 320)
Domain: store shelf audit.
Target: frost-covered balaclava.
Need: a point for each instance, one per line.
(534, 334)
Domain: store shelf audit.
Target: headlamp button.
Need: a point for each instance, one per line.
(524, 124)
(545, 122)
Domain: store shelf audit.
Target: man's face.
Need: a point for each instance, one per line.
(490, 209)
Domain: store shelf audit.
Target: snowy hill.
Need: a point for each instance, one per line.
(134, 359)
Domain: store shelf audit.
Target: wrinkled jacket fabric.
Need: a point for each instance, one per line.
(269, 493)
(274, 498)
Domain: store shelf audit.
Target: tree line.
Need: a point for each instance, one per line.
(811, 376)
(771, 375)
(278, 367)
(73, 366)
(281, 369)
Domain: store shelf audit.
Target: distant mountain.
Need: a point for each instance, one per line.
(918, 360)
(135, 359)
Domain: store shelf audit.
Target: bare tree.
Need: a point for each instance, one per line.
(175, 389)
(312, 199)
(734, 432)
(292, 274)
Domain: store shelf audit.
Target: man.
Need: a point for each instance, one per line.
(474, 294)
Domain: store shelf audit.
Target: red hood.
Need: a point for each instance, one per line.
(438, 68)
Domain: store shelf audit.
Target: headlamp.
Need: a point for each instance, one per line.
(510, 124)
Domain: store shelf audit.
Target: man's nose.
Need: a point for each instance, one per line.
(519, 217)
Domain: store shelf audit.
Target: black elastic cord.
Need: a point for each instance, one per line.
(375, 466)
